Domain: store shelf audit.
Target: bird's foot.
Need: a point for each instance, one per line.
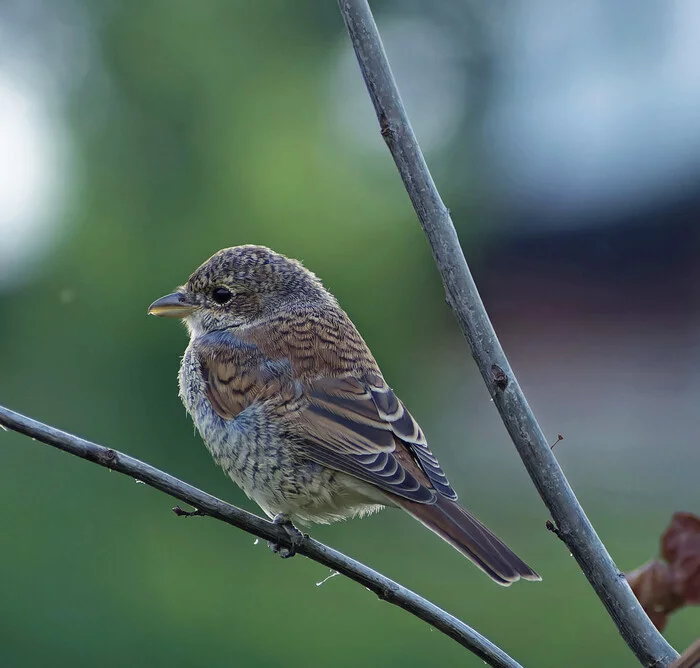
(187, 513)
(295, 536)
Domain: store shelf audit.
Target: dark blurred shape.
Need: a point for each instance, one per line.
(663, 587)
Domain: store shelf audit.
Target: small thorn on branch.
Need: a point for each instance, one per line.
(559, 438)
(551, 526)
(188, 513)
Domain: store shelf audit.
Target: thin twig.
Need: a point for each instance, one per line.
(573, 526)
(383, 587)
(689, 658)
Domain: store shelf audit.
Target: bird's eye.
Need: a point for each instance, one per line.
(221, 295)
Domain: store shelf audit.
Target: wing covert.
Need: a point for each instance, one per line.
(360, 427)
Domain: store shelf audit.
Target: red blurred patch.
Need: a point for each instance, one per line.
(665, 586)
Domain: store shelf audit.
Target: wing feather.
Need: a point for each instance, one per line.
(352, 424)
(359, 426)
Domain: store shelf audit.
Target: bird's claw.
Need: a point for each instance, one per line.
(284, 551)
(296, 538)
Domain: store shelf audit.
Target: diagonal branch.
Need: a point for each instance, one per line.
(572, 525)
(383, 587)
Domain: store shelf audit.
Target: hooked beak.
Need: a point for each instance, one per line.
(175, 305)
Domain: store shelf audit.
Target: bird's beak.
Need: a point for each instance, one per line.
(175, 305)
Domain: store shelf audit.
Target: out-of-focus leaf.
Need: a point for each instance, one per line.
(665, 586)
(680, 547)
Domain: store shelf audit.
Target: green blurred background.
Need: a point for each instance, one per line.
(139, 137)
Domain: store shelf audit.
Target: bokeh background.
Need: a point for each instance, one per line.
(138, 137)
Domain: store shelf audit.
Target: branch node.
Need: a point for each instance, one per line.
(386, 129)
(109, 457)
(389, 592)
(551, 526)
(500, 378)
(188, 513)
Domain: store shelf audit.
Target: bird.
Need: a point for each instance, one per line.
(291, 403)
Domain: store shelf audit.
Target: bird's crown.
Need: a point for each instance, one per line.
(257, 268)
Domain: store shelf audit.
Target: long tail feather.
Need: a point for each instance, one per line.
(465, 533)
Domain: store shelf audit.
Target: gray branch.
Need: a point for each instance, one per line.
(383, 587)
(572, 525)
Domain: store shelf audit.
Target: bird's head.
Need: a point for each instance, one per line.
(239, 287)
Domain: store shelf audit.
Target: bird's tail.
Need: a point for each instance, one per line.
(465, 533)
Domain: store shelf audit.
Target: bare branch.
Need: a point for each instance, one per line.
(383, 587)
(573, 527)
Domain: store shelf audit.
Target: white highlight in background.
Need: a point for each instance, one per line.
(32, 176)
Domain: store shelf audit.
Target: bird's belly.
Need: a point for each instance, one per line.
(264, 466)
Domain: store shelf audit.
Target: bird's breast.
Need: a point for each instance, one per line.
(250, 447)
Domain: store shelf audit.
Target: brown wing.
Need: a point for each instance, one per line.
(354, 425)
(361, 428)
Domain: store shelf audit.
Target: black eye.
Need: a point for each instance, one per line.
(221, 295)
